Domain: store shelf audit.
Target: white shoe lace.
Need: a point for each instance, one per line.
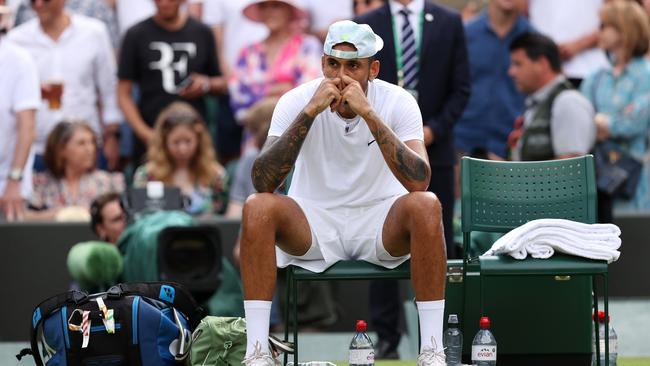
(259, 358)
(431, 356)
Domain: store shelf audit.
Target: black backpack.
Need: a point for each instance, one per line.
(136, 324)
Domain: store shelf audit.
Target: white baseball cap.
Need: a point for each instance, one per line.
(361, 36)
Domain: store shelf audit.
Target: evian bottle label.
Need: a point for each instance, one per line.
(484, 353)
(362, 357)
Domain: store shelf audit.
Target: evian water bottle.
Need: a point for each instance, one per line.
(361, 351)
(484, 346)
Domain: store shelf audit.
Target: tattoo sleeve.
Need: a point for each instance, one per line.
(279, 154)
(410, 167)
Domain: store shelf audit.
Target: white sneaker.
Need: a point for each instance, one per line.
(259, 358)
(431, 356)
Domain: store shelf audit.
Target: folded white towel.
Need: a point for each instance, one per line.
(541, 238)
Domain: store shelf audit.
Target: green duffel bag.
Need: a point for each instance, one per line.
(218, 341)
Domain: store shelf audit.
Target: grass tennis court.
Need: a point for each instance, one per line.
(621, 362)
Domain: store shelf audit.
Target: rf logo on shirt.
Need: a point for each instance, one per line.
(168, 66)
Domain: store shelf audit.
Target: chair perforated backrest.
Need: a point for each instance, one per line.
(499, 196)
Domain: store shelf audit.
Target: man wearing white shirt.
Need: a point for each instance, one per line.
(573, 26)
(76, 51)
(232, 30)
(323, 13)
(19, 98)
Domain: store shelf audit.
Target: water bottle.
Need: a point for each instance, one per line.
(362, 352)
(453, 341)
(613, 342)
(484, 346)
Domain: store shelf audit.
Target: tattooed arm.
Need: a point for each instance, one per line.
(407, 160)
(279, 154)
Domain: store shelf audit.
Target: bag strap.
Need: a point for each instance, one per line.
(44, 310)
(171, 293)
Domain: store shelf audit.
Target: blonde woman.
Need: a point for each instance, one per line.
(181, 155)
(621, 93)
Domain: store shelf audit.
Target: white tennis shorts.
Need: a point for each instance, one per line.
(342, 234)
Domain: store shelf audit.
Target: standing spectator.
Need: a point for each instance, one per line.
(76, 68)
(72, 178)
(19, 99)
(621, 94)
(232, 30)
(285, 59)
(181, 155)
(558, 121)
(495, 103)
(425, 53)
(323, 13)
(98, 9)
(131, 12)
(573, 25)
(171, 57)
(361, 7)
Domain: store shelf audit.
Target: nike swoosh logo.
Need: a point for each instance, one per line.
(371, 142)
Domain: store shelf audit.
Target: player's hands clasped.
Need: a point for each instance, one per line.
(336, 91)
(328, 94)
(354, 96)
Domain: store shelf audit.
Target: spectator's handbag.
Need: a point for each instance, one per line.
(617, 172)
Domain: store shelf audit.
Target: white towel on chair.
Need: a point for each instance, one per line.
(541, 238)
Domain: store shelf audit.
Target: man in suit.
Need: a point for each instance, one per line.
(425, 53)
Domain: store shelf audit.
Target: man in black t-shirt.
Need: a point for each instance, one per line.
(171, 57)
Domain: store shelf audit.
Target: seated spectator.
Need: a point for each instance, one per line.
(107, 217)
(282, 61)
(71, 178)
(621, 94)
(181, 155)
(257, 122)
(558, 120)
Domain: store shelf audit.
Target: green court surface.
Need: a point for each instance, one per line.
(621, 362)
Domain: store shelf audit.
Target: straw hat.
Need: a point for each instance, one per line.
(252, 11)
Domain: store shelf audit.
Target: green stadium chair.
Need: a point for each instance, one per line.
(343, 270)
(499, 196)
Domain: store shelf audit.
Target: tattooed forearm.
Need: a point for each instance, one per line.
(279, 155)
(409, 167)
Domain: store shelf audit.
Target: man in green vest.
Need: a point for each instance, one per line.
(558, 121)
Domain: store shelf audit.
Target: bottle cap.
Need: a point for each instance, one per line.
(601, 316)
(453, 319)
(361, 326)
(485, 322)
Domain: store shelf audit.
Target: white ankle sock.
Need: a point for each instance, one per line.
(258, 314)
(431, 315)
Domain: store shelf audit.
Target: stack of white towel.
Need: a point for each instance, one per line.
(541, 238)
